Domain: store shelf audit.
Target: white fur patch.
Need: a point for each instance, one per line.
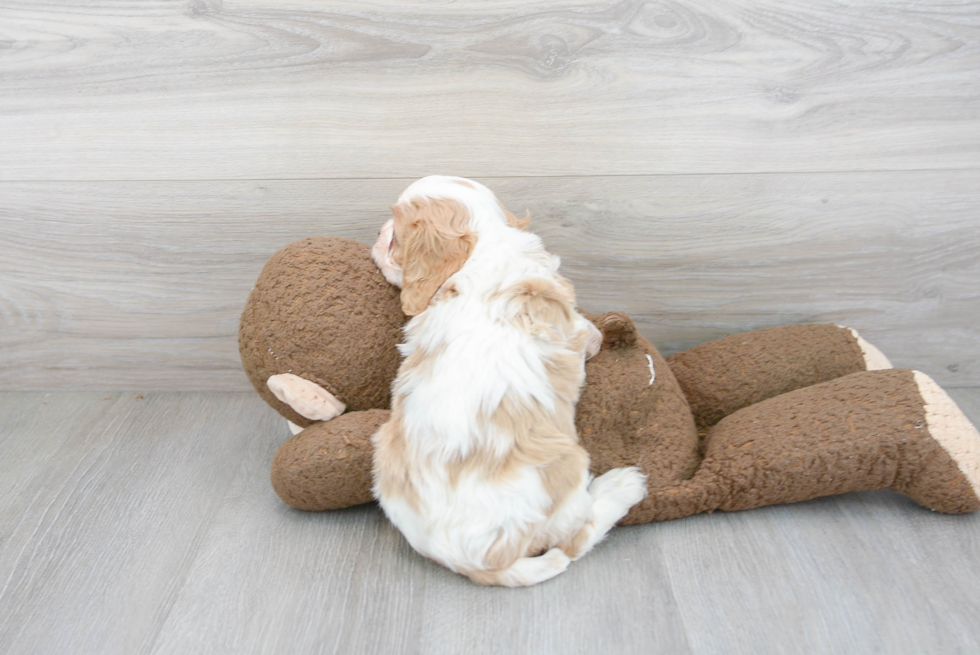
(653, 374)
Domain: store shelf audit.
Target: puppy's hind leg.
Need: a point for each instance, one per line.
(525, 572)
(613, 493)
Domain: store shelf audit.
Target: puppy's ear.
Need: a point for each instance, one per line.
(435, 241)
(522, 224)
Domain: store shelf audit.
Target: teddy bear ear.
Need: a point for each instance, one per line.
(618, 330)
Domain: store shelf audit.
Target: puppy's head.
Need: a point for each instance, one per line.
(433, 232)
(431, 241)
(427, 241)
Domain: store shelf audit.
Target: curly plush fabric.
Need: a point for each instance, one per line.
(321, 310)
(861, 432)
(795, 415)
(720, 377)
(625, 420)
(328, 465)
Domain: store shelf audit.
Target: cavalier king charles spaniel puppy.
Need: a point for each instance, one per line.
(479, 465)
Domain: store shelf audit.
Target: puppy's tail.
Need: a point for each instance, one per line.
(524, 572)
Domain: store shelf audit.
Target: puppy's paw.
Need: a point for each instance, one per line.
(529, 571)
(308, 399)
(622, 487)
(555, 561)
(594, 342)
(381, 253)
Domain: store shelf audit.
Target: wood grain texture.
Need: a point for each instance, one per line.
(113, 494)
(149, 526)
(618, 599)
(272, 579)
(204, 89)
(140, 284)
(33, 429)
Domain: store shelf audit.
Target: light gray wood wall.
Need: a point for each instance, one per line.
(709, 167)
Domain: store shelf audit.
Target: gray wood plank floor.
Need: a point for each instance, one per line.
(145, 523)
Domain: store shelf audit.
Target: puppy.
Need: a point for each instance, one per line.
(479, 465)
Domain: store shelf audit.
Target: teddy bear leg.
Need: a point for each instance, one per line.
(890, 429)
(723, 376)
(328, 465)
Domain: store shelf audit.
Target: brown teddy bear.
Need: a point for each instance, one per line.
(773, 416)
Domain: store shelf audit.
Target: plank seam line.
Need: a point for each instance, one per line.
(495, 177)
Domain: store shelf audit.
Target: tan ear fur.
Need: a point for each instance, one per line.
(434, 241)
(543, 308)
(519, 223)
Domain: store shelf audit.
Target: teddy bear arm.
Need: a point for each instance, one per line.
(723, 376)
(886, 429)
(328, 465)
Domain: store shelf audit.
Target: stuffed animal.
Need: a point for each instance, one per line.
(777, 415)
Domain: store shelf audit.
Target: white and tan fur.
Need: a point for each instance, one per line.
(479, 465)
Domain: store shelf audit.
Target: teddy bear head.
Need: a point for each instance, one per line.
(321, 310)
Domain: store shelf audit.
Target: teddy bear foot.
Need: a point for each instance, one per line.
(949, 479)
(874, 359)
